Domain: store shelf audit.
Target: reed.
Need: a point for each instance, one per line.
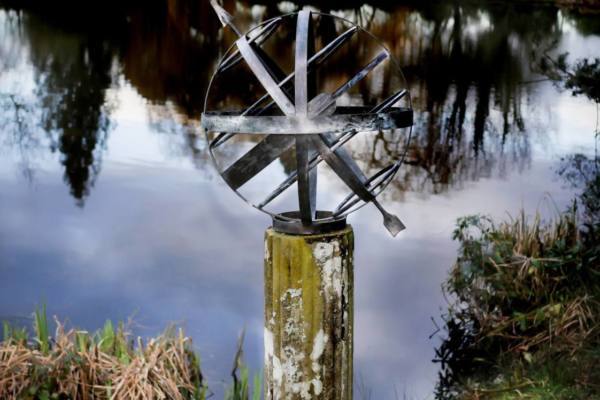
(107, 365)
(240, 388)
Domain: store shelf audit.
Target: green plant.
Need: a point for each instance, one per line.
(10, 333)
(527, 305)
(41, 329)
(239, 390)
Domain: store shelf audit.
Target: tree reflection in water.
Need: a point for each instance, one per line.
(72, 71)
(72, 76)
(466, 64)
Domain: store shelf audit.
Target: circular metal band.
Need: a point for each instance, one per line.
(324, 223)
(344, 119)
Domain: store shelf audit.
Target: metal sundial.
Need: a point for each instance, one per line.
(287, 117)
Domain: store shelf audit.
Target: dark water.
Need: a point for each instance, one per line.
(110, 208)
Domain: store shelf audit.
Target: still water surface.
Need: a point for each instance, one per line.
(110, 208)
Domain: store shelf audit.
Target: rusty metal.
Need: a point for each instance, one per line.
(293, 117)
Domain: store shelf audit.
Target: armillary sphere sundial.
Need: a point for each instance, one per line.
(286, 114)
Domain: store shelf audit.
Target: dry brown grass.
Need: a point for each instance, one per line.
(16, 366)
(105, 366)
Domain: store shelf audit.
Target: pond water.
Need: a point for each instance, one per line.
(111, 209)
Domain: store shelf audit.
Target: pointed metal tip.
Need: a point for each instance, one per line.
(393, 224)
(225, 18)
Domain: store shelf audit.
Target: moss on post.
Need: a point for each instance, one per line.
(309, 315)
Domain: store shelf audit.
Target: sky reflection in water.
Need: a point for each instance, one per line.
(109, 207)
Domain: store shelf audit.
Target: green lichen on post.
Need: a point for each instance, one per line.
(308, 315)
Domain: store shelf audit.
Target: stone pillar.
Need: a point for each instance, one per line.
(309, 312)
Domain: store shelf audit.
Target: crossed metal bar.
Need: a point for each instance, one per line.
(314, 61)
(306, 109)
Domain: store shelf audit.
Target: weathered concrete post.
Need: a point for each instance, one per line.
(309, 295)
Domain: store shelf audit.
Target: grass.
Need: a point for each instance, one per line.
(526, 321)
(530, 284)
(240, 388)
(107, 365)
(41, 330)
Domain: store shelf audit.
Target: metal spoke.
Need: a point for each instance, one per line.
(256, 159)
(307, 179)
(377, 181)
(389, 102)
(301, 63)
(265, 77)
(342, 170)
(258, 38)
(303, 88)
(322, 102)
